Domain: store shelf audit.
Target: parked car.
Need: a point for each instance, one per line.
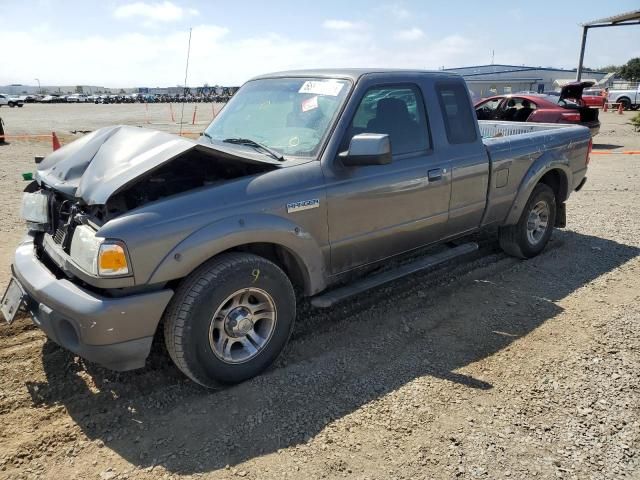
(567, 107)
(629, 98)
(304, 180)
(77, 98)
(594, 97)
(591, 97)
(10, 100)
(51, 99)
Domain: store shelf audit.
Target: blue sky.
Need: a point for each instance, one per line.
(119, 43)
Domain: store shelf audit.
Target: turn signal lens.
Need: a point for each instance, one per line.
(112, 260)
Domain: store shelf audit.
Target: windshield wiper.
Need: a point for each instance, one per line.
(205, 134)
(256, 145)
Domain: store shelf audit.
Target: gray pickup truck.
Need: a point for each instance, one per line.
(304, 180)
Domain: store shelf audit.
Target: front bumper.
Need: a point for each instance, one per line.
(114, 332)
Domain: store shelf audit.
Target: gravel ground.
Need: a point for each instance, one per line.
(488, 368)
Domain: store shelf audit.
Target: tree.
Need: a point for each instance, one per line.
(79, 89)
(606, 68)
(631, 71)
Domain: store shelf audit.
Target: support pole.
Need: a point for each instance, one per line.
(585, 30)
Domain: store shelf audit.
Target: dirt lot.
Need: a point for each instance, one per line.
(494, 368)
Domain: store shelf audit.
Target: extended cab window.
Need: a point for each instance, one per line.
(396, 111)
(456, 112)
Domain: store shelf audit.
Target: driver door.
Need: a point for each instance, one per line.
(376, 211)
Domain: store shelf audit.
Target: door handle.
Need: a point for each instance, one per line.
(435, 174)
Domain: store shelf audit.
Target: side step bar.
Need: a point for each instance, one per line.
(332, 297)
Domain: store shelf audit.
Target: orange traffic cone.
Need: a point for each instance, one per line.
(620, 108)
(54, 141)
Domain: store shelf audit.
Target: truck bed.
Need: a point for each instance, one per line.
(493, 129)
(518, 150)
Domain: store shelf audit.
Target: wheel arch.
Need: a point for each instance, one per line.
(274, 238)
(624, 99)
(554, 174)
(283, 257)
(559, 183)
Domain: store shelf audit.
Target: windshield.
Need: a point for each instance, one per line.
(289, 115)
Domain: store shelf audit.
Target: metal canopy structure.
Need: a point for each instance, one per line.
(624, 19)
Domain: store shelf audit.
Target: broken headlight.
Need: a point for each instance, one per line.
(35, 210)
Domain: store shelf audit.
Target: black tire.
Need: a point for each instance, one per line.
(626, 103)
(188, 318)
(514, 239)
(11, 104)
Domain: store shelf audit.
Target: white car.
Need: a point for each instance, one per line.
(77, 98)
(10, 100)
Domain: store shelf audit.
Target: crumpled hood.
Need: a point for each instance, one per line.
(101, 163)
(98, 164)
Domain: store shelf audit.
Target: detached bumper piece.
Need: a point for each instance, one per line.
(114, 332)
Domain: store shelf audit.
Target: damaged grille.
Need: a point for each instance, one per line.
(58, 236)
(63, 212)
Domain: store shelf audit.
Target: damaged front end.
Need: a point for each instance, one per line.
(111, 172)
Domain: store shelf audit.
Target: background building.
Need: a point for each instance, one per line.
(18, 89)
(486, 80)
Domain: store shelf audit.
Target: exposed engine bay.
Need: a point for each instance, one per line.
(193, 169)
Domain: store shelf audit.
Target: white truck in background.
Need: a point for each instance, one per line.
(11, 101)
(630, 99)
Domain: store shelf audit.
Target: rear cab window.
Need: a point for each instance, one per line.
(456, 112)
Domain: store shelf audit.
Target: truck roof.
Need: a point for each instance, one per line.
(351, 73)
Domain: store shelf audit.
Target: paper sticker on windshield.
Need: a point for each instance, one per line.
(321, 87)
(310, 104)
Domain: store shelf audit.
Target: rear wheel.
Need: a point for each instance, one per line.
(531, 234)
(626, 103)
(230, 319)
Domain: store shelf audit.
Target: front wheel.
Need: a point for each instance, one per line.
(230, 319)
(531, 234)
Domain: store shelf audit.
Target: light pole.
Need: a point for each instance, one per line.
(39, 89)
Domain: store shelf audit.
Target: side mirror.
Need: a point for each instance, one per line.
(367, 149)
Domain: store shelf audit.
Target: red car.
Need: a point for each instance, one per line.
(593, 97)
(568, 107)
